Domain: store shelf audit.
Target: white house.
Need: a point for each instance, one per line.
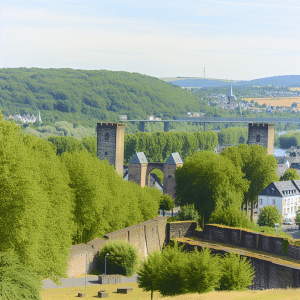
(285, 195)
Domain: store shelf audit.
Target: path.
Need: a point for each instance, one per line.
(70, 282)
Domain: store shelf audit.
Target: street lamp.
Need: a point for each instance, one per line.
(105, 262)
(276, 225)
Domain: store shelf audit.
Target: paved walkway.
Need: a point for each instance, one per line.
(70, 282)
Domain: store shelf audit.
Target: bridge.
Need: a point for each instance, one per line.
(204, 120)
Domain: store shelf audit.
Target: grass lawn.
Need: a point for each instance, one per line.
(139, 294)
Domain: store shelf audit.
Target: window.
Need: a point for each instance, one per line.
(260, 201)
(106, 153)
(258, 138)
(106, 136)
(291, 209)
(274, 201)
(284, 211)
(288, 210)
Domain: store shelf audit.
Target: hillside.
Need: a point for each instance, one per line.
(277, 81)
(85, 97)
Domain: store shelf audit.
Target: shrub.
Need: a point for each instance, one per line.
(237, 273)
(204, 271)
(188, 212)
(172, 273)
(16, 280)
(123, 258)
(268, 216)
(230, 216)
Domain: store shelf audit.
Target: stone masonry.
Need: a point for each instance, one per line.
(110, 144)
(261, 134)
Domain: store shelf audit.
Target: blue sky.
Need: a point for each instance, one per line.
(232, 39)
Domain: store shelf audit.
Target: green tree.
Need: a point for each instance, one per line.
(123, 258)
(290, 174)
(208, 180)
(188, 212)
(230, 216)
(17, 280)
(237, 273)
(258, 169)
(166, 203)
(172, 274)
(203, 271)
(268, 216)
(147, 273)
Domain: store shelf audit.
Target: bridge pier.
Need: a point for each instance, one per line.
(203, 126)
(142, 126)
(166, 126)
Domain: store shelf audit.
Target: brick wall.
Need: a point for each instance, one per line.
(146, 237)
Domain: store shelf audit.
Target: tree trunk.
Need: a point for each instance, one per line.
(151, 294)
(163, 212)
(252, 206)
(247, 204)
(202, 222)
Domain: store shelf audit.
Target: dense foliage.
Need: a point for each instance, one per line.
(188, 212)
(290, 174)
(237, 273)
(166, 203)
(268, 216)
(287, 140)
(49, 202)
(174, 272)
(209, 181)
(17, 281)
(258, 169)
(85, 96)
(122, 258)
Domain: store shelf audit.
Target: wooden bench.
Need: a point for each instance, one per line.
(124, 290)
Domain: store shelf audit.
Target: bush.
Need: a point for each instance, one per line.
(188, 212)
(16, 280)
(230, 216)
(172, 272)
(123, 258)
(204, 271)
(237, 273)
(268, 216)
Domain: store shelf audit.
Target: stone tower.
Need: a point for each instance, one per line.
(110, 144)
(174, 161)
(137, 168)
(261, 134)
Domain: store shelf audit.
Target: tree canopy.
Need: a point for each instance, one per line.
(290, 174)
(208, 181)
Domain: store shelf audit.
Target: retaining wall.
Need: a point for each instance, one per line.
(247, 239)
(146, 237)
(268, 274)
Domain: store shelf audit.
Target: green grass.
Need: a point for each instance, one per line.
(138, 294)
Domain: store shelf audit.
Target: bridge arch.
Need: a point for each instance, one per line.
(139, 170)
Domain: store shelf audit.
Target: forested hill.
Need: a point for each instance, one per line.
(88, 96)
(277, 81)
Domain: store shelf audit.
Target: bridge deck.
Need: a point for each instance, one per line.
(226, 120)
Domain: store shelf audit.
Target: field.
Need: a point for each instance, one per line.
(139, 294)
(276, 101)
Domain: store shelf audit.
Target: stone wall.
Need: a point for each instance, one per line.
(268, 274)
(246, 239)
(180, 229)
(146, 237)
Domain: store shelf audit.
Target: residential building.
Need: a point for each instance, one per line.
(285, 195)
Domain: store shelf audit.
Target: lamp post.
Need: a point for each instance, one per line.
(105, 262)
(276, 225)
(85, 269)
